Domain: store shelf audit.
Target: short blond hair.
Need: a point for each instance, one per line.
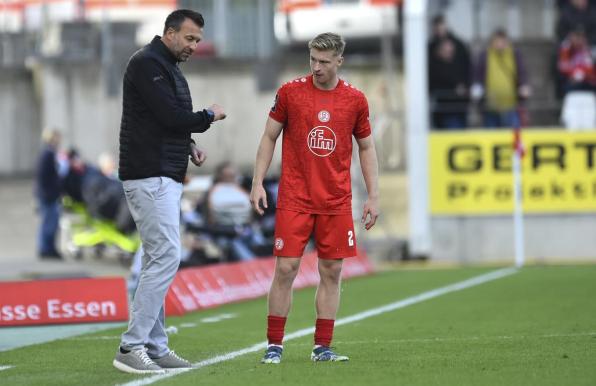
(50, 135)
(328, 41)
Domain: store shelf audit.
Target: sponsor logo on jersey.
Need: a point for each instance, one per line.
(279, 243)
(324, 116)
(321, 141)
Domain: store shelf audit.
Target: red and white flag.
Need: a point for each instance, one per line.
(518, 145)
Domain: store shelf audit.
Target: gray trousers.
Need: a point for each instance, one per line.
(155, 206)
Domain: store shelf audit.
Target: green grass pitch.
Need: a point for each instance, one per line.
(535, 327)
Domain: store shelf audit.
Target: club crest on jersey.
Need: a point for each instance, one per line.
(321, 141)
(279, 243)
(324, 116)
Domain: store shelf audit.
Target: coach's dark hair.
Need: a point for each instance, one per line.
(176, 18)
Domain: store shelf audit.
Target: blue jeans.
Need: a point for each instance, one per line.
(450, 121)
(46, 236)
(507, 119)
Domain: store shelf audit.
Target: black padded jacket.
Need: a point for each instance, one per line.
(157, 116)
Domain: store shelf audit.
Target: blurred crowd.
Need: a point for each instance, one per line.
(219, 224)
(222, 225)
(495, 82)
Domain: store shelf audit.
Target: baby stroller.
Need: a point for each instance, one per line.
(96, 217)
(82, 233)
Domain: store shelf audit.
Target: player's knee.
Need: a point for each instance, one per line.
(330, 277)
(330, 272)
(286, 271)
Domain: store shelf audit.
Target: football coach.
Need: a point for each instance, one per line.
(155, 146)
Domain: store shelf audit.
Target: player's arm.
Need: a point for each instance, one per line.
(264, 156)
(370, 171)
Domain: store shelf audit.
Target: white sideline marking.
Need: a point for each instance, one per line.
(5, 367)
(218, 318)
(102, 337)
(494, 275)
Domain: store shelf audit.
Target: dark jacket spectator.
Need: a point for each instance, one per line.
(448, 86)
(78, 171)
(441, 32)
(574, 14)
(47, 193)
(47, 180)
(102, 195)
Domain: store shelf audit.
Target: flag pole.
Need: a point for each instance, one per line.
(518, 210)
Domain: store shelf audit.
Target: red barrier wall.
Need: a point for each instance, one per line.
(105, 299)
(205, 287)
(63, 301)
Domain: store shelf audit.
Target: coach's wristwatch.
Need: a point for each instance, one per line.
(210, 114)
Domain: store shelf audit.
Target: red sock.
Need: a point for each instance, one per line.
(324, 332)
(275, 329)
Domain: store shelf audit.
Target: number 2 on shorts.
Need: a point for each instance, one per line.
(350, 238)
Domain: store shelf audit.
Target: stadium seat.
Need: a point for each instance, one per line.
(579, 110)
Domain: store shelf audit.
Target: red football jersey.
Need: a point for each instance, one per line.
(317, 144)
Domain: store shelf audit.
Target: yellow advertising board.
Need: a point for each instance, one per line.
(471, 172)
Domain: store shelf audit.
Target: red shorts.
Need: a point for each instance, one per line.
(334, 234)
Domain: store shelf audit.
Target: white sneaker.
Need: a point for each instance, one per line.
(136, 362)
(172, 361)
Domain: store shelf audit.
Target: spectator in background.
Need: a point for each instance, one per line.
(47, 193)
(575, 63)
(104, 195)
(441, 32)
(107, 165)
(448, 86)
(229, 210)
(449, 76)
(574, 14)
(227, 202)
(500, 79)
(78, 170)
(99, 190)
(562, 3)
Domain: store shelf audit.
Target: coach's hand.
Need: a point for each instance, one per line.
(197, 156)
(218, 112)
(258, 195)
(371, 208)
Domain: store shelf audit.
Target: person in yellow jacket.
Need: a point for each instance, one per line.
(501, 82)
